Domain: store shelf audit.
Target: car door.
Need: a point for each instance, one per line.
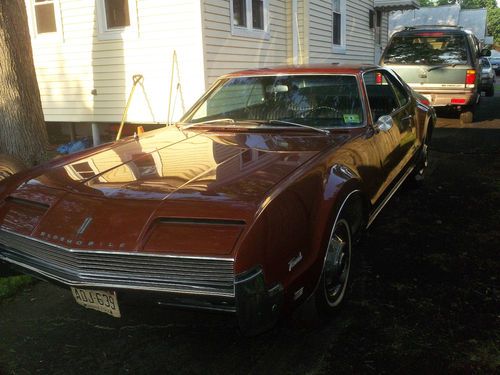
(396, 145)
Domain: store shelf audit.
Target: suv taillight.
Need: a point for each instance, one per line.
(470, 77)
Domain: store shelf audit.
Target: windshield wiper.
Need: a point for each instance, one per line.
(187, 125)
(296, 124)
(441, 66)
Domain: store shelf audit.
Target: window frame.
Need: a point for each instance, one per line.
(340, 48)
(248, 30)
(379, 15)
(397, 87)
(58, 34)
(393, 81)
(104, 33)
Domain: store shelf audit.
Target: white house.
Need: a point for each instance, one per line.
(87, 52)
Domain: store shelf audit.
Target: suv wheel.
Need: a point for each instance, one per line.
(466, 117)
(490, 91)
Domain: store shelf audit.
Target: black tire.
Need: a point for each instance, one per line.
(10, 165)
(490, 91)
(466, 117)
(416, 178)
(336, 273)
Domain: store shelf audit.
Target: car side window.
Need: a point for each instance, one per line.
(381, 94)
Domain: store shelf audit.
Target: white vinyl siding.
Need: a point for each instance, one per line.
(68, 70)
(225, 52)
(359, 38)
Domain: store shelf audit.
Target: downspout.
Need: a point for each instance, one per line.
(295, 33)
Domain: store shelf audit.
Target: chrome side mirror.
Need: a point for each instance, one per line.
(384, 124)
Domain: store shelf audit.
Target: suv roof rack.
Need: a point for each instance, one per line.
(456, 27)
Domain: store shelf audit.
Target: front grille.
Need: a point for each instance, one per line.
(176, 274)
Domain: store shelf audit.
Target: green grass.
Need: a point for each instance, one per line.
(11, 285)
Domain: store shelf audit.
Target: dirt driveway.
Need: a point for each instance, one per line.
(425, 299)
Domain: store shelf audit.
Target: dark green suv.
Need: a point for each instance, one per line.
(440, 62)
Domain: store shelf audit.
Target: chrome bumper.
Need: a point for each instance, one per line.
(188, 282)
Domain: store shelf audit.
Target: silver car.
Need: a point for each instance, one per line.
(487, 77)
(495, 63)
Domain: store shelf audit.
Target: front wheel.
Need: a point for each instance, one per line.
(416, 177)
(336, 269)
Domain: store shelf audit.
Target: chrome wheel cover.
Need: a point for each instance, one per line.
(338, 263)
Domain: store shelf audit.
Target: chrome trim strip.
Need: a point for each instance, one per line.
(388, 197)
(229, 309)
(115, 286)
(193, 221)
(107, 252)
(251, 275)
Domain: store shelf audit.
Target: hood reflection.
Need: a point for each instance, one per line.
(172, 161)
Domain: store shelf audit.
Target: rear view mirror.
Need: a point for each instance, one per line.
(485, 52)
(276, 88)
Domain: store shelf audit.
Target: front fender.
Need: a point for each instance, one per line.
(343, 191)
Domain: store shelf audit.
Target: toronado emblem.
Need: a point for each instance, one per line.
(84, 226)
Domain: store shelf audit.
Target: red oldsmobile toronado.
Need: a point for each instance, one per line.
(249, 205)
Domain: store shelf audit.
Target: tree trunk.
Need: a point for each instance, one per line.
(22, 126)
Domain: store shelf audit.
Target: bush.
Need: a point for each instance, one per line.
(11, 285)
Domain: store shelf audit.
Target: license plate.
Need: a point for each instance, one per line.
(99, 300)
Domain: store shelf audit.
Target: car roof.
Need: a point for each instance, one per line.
(445, 29)
(333, 68)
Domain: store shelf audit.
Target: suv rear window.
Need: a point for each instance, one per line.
(427, 49)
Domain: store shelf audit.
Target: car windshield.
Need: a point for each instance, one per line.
(320, 101)
(427, 49)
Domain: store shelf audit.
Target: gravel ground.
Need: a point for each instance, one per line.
(425, 299)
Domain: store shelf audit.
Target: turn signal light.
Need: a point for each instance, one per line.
(470, 77)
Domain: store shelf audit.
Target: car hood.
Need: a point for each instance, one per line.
(112, 199)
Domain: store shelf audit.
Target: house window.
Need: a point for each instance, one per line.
(338, 25)
(378, 27)
(239, 13)
(117, 14)
(249, 18)
(116, 18)
(45, 16)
